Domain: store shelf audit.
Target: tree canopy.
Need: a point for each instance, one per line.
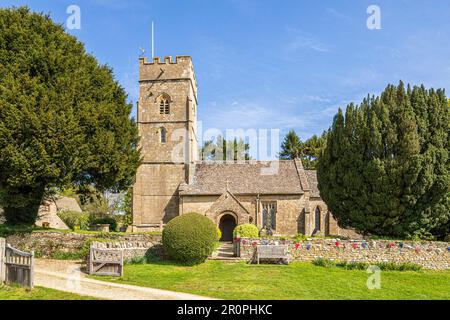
(385, 167)
(64, 120)
(221, 149)
(291, 147)
(308, 151)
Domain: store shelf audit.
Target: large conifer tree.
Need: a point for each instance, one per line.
(385, 169)
(64, 120)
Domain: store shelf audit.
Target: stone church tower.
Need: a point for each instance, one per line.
(167, 121)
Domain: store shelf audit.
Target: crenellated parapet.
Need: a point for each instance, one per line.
(166, 60)
(167, 68)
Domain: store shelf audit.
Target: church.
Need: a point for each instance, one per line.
(280, 196)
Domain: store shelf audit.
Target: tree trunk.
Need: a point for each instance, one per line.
(27, 214)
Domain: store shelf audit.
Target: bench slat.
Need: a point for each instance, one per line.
(272, 252)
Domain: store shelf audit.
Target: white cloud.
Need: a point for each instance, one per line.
(313, 98)
(257, 116)
(303, 40)
(339, 15)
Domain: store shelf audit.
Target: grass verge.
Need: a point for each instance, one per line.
(295, 281)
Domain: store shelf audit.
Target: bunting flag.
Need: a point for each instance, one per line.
(308, 245)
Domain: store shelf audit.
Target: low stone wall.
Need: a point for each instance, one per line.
(134, 247)
(429, 255)
(46, 244)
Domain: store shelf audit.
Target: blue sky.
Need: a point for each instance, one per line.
(270, 64)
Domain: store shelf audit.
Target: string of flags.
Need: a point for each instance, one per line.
(358, 245)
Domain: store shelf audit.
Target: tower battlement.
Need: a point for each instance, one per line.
(180, 68)
(166, 60)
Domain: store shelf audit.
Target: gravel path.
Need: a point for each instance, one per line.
(67, 276)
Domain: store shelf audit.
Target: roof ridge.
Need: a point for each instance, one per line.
(302, 175)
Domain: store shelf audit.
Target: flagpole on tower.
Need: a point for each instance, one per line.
(153, 40)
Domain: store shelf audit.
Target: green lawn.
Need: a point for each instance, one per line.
(38, 293)
(296, 281)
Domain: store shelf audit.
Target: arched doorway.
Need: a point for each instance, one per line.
(227, 224)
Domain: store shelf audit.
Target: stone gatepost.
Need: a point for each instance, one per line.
(2, 258)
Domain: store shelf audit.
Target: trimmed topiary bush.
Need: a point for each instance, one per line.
(189, 238)
(246, 231)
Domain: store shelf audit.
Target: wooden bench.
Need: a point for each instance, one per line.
(106, 262)
(272, 252)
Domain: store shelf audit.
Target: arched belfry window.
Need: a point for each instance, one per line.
(163, 135)
(164, 104)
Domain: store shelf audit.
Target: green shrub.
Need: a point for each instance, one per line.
(385, 266)
(75, 219)
(107, 220)
(352, 265)
(300, 237)
(320, 262)
(246, 231)
(219, 233)
(189, 238)
(136, 260)
(392, 266)
(7, 230)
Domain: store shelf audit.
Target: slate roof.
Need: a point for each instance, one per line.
(68, 204)
(311, 175)
(211, 178)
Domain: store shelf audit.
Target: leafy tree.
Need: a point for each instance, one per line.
(64, 120)
(308, 151)
(312, 148)
(221, 149)
(385, 167)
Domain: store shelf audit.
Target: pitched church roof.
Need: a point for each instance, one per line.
(256, 177)
(311, 175)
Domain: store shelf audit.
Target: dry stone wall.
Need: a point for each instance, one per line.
(49, 243)
(134, 248)
(429, 255)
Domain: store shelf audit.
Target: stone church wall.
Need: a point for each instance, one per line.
(290, 218)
